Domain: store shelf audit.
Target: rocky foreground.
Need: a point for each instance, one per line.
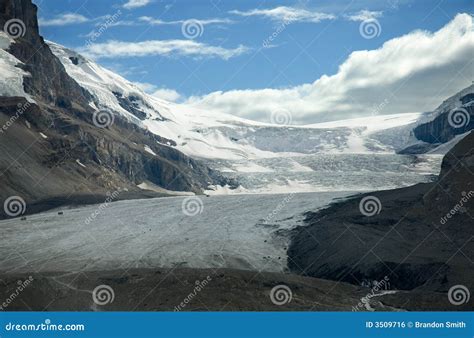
(204, 290)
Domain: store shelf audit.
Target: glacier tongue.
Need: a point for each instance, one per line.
(156, 233)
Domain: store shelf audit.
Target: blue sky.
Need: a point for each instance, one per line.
(232, 50)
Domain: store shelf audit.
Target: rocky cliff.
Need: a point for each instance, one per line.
(57, 145)
(452, 119)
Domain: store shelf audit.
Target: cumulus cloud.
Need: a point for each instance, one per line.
(161, 93)
(131, 4)
(64, 19)
(284, 14)
(411, 73)
(115, 49)
(167, 94)
(364, 15)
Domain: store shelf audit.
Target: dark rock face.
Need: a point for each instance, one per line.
(440, 130)
(411, 240)
(48, 80)
(52, 147)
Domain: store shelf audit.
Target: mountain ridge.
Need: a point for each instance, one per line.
(52, 140)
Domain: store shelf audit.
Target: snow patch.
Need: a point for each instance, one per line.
(153, 187)
(12, 75)
(80, 163)
(149, 150)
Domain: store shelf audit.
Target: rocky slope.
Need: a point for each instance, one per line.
(420, 237)
(449, 122)
(203, 290)
(55, 142)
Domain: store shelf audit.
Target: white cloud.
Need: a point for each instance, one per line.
(161, 93)
(131, 4)
(146, 87)
(287, 14)
(64, 19)
(157, 22)
(114, 49)
(412, 73)
(167, 94)
(364, 15)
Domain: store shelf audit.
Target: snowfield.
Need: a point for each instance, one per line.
(213, 135)
(12, 76)
(243, 232)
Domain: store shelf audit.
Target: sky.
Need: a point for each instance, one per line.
(316, 60)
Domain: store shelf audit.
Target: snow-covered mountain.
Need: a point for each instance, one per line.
(261, 157)
(206, 134)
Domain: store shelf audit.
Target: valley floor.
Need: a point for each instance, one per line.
(219, 290)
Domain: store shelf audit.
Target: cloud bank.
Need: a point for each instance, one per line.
(411, 73)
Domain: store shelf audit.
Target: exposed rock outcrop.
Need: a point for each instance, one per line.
(53, 147)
